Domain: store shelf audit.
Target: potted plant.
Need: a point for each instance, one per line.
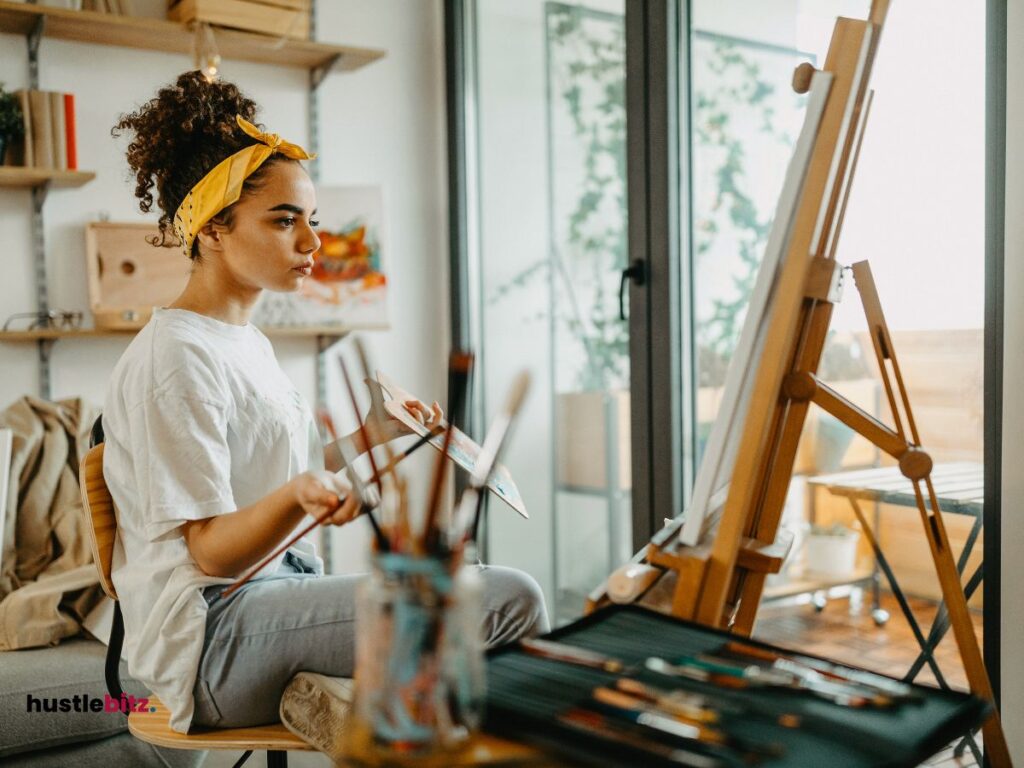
(12, 123)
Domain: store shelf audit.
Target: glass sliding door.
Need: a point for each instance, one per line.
(548, 244)
(713, 118)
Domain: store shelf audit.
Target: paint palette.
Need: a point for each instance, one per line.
(462, 450)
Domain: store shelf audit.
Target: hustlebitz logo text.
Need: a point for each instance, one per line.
(86, 703)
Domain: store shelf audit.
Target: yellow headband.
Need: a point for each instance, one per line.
(223, 185)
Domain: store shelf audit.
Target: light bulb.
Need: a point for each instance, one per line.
(207, 58)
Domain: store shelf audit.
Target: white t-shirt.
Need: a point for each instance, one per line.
(199, 420)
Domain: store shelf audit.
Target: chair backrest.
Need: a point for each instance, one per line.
(99, 515)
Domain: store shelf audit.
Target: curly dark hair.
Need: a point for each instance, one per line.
(178, 137)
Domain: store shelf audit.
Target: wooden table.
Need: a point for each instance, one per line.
(960, 486)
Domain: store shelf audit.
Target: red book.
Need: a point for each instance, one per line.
(69, 131)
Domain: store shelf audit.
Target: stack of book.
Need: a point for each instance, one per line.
(49, 139)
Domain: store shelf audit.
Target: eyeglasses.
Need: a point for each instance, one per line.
(54, 318)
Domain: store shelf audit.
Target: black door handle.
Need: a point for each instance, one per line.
(638, 275)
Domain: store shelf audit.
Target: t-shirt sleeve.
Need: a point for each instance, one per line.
(186, 472)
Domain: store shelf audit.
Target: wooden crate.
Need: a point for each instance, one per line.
(128, 276)
(280, 18)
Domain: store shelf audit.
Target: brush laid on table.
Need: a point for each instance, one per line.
(621, 704)
(873, 684)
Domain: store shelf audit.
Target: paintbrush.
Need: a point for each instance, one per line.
(363, 433)
(398, 522)
(634, 737)
(696, 729)
(383, 543)
(269, 558)
(679, 702)
(364, 509)
(366, 505)
(471, 503)
(876, 683)
(459, 365)
(750, 676)
(395, 527)
(394, 460)
(422, 440)
(571, 654)
(787, 674)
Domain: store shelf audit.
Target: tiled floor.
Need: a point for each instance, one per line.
(838, 634)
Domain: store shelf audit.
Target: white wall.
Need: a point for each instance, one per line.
(382, 125)
(1012, 607)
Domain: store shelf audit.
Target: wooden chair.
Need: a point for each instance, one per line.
(154, 727)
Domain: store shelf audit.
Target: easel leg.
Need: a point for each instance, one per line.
(883, 565)
(931, 519)
(960, 620)
(941, 624)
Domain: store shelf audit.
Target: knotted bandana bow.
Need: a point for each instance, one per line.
(223, 185)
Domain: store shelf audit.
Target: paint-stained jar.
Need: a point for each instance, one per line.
(420, 675)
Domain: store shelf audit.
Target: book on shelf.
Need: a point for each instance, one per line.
(49, 139)
(58, 130)
(70, 133)
(42, 130)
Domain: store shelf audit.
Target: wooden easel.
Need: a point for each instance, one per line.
(720, 584)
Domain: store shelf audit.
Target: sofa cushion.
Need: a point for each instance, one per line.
(35, 680)
(121, 750)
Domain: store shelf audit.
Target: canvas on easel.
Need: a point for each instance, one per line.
(713, 478)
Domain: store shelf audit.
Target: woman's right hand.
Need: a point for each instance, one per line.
(321, 494)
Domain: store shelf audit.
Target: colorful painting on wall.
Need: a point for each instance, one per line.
(348, 286)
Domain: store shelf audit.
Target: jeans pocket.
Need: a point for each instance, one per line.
(207, 713)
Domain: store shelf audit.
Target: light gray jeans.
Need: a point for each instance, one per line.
(292, 621)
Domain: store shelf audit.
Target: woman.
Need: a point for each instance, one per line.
(212, 457)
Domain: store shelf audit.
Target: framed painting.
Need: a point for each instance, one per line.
(348, 287)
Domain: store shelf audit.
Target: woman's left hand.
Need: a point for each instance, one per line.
(383, 427)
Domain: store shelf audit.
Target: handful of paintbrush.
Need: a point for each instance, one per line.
(681, 710)
(384, 498)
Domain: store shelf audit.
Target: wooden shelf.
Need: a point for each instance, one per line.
(50, 334)
(169, 36)
(26, 178)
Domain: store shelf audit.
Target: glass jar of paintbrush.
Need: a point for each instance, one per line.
(420, 674)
